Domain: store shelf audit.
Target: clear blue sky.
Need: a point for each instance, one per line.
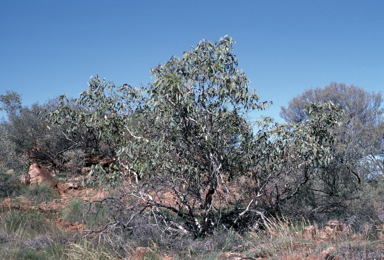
(52, 47)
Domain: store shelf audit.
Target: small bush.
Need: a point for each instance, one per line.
(93, 214)
(86, 250)
(37, 249)
(74, 211)
(226, 240)
(30, 235)
(361, 250)
(27, 223)
(146, 234)
(9, 184)
(40, 193)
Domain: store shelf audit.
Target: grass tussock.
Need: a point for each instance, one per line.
(9, 184)
(281, 236)
(35, 235)
(92, 214)
(86, 250)
(29, 235)
(369, 250)
(39, 192)
(74, 211)
(27, 224)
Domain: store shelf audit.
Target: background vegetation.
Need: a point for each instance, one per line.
(186, 164)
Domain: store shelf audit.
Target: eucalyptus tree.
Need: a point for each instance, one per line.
(190, 148)
(97, 123)
(355, 155)
(11, 103)
(26, 132)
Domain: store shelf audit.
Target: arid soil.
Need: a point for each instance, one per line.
(311, 243)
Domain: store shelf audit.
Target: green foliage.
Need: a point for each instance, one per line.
(29, 235)
(188, 134)
(8, 154)
(74, 212)
(363, 121)
(25, 136)
(93, 214)
(9, 184)
(356, 156)
(76, 159)
(40, 192)
(98, 122)
(11, 103)
(27, 224)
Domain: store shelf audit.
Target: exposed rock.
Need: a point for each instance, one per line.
(338, 226)
(380, 232)
(74, 185)
(85, 170)
(326, 233)
(234, 256)
(101, 194)
(327, 254)
(356, 237)
(10, 171)
(61, 188)
(39, 174)
(25, 179)
(332, 230)
(140, 252)
(308, 233)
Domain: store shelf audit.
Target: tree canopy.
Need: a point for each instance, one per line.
(356, 157)
(188, 135)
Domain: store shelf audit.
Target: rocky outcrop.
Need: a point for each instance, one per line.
(38, 174)
(25, 179)
(331, 231)
(234, 256)
(308, 233)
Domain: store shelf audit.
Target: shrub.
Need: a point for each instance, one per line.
(93, 214)
(73, 212)
(9, 184)
(360, 250)
(29, 235)
(28, 223)
(40, 192)
(188, 135)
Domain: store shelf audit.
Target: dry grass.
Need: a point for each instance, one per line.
(21, 238)
(29, 235)
(39, 192)
(86, 250)
(33, 235)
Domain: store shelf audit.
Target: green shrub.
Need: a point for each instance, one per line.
(40, 192)
(74, 211)
(360, 250)
(9, 184)
(93, 214)
(30, 235)
(27, 223)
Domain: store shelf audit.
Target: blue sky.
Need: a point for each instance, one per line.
(51, 47)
